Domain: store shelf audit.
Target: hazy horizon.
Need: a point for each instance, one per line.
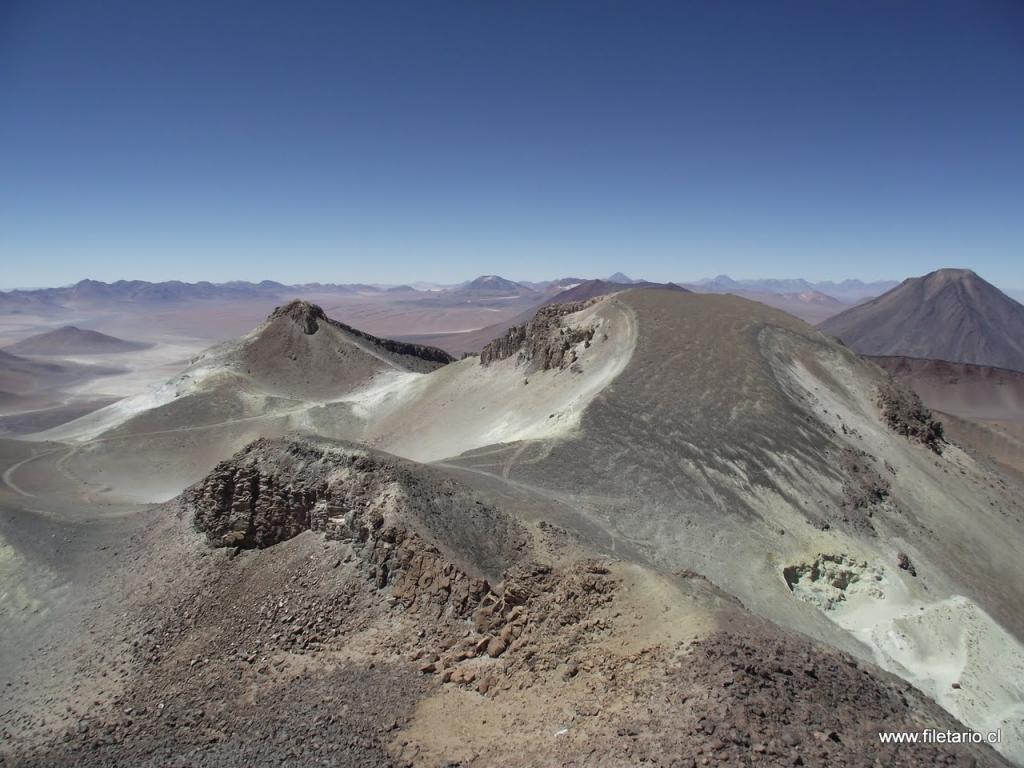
(1014, 291)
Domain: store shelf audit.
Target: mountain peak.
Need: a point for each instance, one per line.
(303, 313)
(620, 277)
(950, 275)
(948, 314)
(493, 282)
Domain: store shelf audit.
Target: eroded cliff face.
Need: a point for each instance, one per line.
(545, 342)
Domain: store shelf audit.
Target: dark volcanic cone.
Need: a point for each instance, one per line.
(950, 314)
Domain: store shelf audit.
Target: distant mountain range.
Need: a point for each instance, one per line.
(92, 292)
(847, 291)
(87, 293)
(949, 314)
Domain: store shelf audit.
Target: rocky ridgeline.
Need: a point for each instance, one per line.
(308, 317)
(907, 415)
(543, 343)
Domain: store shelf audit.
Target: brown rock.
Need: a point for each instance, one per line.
(496, 647)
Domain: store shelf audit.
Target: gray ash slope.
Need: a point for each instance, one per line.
(738, 440)
(735, 413)
(949, 314)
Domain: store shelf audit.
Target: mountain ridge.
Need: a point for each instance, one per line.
(850, 290)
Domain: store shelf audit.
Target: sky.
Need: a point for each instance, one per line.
(436, 141)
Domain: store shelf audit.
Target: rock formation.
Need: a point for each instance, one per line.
(274, 490)
(906, 414)
(545, 342)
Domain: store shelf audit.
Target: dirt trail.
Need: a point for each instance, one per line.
(8, 475)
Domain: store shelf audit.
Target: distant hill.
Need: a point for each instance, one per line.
(327, 358)
(70, 340)
(950, 314)
(588, 289)
(552, 287)
(493, 283)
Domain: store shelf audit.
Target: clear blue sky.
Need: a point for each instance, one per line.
(401, 141)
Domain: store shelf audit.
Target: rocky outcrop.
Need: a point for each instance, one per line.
(829, 578)
(399, 515)
(304, 314)
(545, 342)
(906, 414)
